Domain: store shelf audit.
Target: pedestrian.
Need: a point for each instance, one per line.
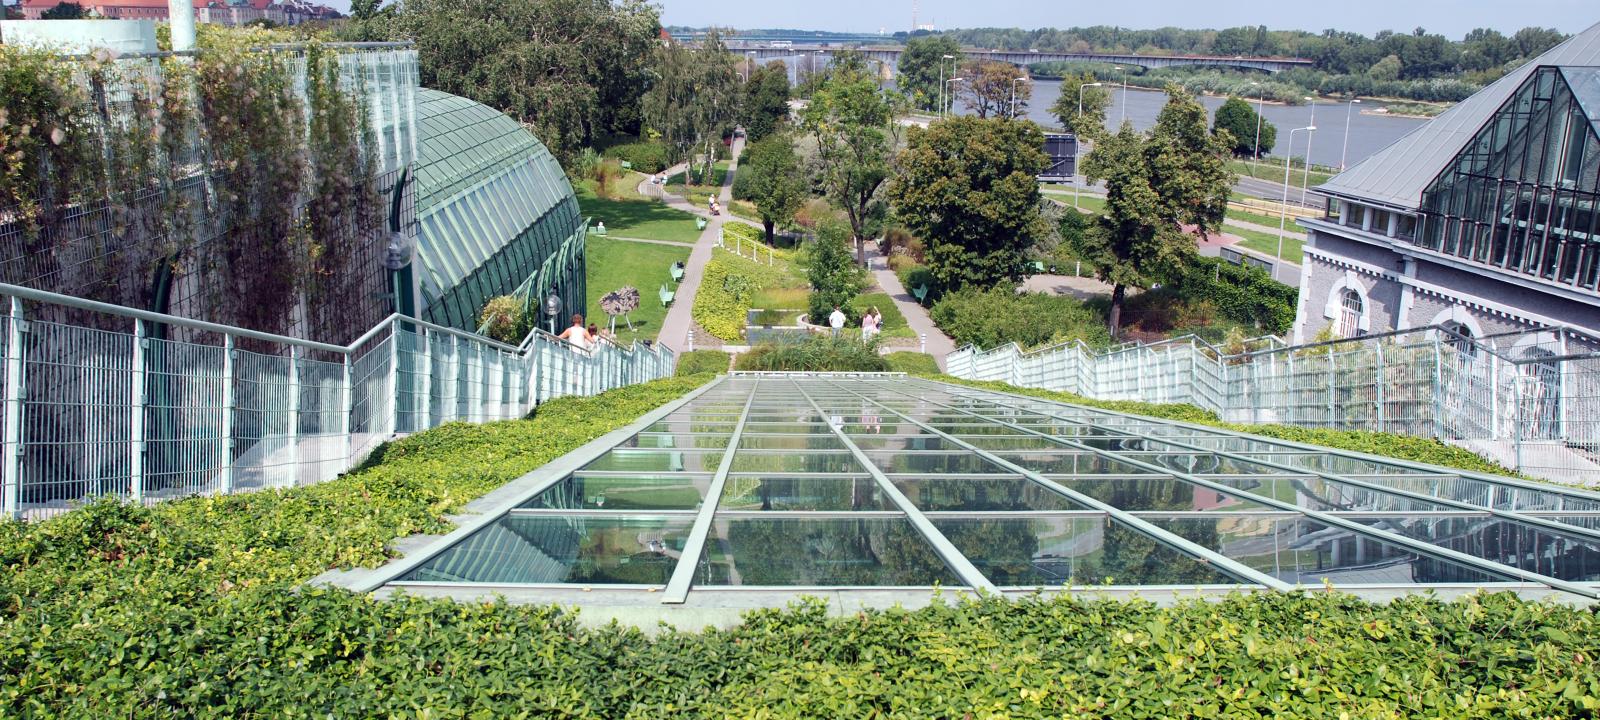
(836, 321)
(578, 334)
(594, 331)
(869, 324)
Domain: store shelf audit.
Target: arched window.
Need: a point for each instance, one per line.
(1350, 308)
(1461, 338)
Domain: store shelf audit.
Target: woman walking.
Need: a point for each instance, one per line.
(871, 322)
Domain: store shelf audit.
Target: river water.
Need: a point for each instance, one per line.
(1368, 133)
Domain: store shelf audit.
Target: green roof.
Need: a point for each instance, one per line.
(492, 204)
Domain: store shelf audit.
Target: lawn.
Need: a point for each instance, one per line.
(615, 263)
(645, 219)
(894, 323)
(1269, 170)
(698, 194)
(1268, 242)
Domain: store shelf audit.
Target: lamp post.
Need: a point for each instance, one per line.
(1077, 142)
(952, 82)
(1014, 82)
(1345, 153)
(1124, 117)
(1305, 176)
(1255, 151)
(552, 308)
(941, 81)
(1283, 210)
(748, 64)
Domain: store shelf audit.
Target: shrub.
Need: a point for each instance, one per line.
(898, 241)
(998, 316)
(834, 275)
(722, 304)
(646, 157)
(814, 213)
(1242, 294)
(696, 362)
(504, 319)
(818, 353)
(914, 363)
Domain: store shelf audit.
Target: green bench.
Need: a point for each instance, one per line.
(676, 271)
(920, 292)
(1037, 267)
(666, 295)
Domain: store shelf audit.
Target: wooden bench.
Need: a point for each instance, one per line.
(676, 271)
(666, 296)
(920, 292)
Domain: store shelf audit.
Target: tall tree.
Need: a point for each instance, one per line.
(835, 281)
(572, 69)
(986, 87)
(766, 100)
(769, 175)
(1155, 184)
(1095, 102)
(1239, 119)
(695, 99)
(920, 73)
(852, 122)
(969, 188)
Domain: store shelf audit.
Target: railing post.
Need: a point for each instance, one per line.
(16, 337)
(294, 415)
(1333, 382)
(394, 378)
(1438, 390)
(136, 406)
(228, 403)
(1379, 373)
(923, 342)
(347, 415)
(1494, 396)
(425, 378)
(691, 339)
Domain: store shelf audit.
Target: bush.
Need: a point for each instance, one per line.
(815, 212)
(696, 362)
(914, 363)
(646, 157)
(504, 319)
(1242, 294)
(835, 277)
(818, 353)
(899, 242)
(722, 304)
(998, 316)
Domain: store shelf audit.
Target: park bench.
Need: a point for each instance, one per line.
(1037, 267)
(666, 295)
(920, 292)
(676, 271)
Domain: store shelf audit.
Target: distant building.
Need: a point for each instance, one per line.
(219, 12)
(1485, 220)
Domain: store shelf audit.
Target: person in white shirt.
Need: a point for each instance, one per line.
(578, 334)
(836, 321)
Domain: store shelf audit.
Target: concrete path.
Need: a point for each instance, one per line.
(1081, 288)
(675, 328)
(939, 344)
(645, 240)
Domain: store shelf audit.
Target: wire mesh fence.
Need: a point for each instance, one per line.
(148, 407)
(1528, 400)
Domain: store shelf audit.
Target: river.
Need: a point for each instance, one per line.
(1368, 133)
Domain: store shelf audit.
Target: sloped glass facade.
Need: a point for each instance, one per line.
(495, 213)
(1522, 196)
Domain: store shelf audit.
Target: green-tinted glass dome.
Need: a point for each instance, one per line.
(494, 210)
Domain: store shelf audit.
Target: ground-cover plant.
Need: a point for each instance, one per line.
(817, 353)
(912, 362)
(728, 289)
(998, 316)
(696, 362)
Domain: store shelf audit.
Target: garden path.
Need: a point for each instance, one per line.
(939, 344)
(680, 318)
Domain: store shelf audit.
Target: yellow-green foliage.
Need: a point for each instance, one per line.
(696, 362)
(730, 282)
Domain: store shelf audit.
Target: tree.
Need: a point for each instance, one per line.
(1155, 184)
(64, 11)
(1095, 102)
(571, 69)
(986, 87)
(773, 181)
(920, 69)
(1386, 69)
(835, 280)
(851, 120)
(1238, 119)
(968, 187)
(766, 100)
(695, 99)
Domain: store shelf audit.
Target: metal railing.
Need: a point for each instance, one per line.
(1527, 400)
(103, 400)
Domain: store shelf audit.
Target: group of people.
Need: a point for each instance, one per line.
(871, 323)
(581, 337)
(714, 207)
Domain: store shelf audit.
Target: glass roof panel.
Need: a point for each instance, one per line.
(586, 550)
(823, 551)
(825, 494)
(1034, 552)
(626, 492)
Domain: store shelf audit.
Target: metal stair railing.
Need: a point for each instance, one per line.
(103, 400)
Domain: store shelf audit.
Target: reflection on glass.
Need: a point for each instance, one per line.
(790, 442)
(803, 493)
(642, 460)
(822, 551)
(891, 462)
(1085, 551)
(812, 461)
(670, 440)
(933, 494)
(1156, 493)
(903, 442)
(1068, 462)
(1305, 552)
(1518, 545)
(586, 550)
(634, 492)
(1313, 493)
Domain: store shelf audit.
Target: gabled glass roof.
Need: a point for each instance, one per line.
(884, 482)
(1585, 85)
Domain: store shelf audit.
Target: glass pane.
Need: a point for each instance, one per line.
(803, 493)
(1071, 463)
(1086, 551)
(589, 550)
(1157, 493)
(1314, 493)
(670, 440)
(820, 552)
(634, 492)
(746, 461)
(976, 495)
(651, 461)
(918, 463)
(1517, 545)
(1305, 552)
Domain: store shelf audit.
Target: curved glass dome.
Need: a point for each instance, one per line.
(494, 212)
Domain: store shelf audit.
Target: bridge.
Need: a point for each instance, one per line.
(889, 56)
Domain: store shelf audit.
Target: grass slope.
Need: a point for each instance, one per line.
(645, 219)
(615, 263)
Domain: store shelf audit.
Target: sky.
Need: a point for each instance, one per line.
(1452, 18)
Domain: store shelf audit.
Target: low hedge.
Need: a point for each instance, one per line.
(1400, 447)
(1242, 294)
(696, 362)
(646, 157)
(722, 303)
(818, 353)
(912, 362)
(988, 318)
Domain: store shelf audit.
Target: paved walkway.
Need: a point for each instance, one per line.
(939, 344)
(675, 328)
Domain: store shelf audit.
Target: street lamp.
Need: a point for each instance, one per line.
(1345, 153)
(1255, 152)
(748, 64)
(952, 82)
(1077, 142)
(941, 80)
(552, 308)
(1305, 177)
(1014, 82)
(1283, 210)
(1124, 117)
